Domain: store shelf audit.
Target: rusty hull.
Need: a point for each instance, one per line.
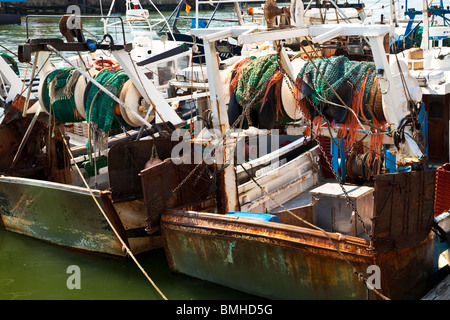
(292, 261)
(280, 261)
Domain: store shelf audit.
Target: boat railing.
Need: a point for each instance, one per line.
(77, 18)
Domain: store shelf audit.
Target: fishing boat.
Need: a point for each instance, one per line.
(141, 27)
(428, 62)
(81, 192)
(369, 233)
(409, 31)
(84, 191)
(192, 19)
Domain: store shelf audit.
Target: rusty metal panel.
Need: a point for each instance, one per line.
(267, 259)
(167, 185)
(126, 160)
(403, 210)
(60, 214)
(280, 261)
(158, 184)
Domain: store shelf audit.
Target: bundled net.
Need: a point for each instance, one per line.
(101, 109)
(252, 78)
(364, 98)
(337, 71)
(58, 95)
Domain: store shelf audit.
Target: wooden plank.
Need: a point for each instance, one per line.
(250, 190)
(403, 212)
(440, 292)
(282, 194)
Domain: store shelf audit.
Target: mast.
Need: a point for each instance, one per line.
(237, 8)
(425, 36)
(228, 193)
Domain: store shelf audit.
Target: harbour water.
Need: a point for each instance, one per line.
(34, 270)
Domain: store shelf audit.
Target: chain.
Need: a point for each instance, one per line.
(238, 121)
(348, 200)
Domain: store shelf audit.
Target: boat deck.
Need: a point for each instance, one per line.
(303, 199)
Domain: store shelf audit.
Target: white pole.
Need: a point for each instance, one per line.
(196, 14)
(425, 45)
(219, 106)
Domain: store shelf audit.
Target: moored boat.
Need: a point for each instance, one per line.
(84, 194)
(372, 237)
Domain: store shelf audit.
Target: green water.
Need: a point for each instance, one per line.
(33, 270)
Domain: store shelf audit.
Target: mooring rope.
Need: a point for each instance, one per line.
(124, 245)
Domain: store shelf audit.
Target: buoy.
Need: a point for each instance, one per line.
(154, 159)
(287, 98)
(102, 63)
(133, 99)
(152, 162)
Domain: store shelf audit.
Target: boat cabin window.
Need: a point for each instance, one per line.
(182, 63)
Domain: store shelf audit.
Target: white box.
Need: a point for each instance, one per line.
(332, 213)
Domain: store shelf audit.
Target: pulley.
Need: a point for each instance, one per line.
(360, 166)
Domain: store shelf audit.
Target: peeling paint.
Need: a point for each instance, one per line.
(231, 245)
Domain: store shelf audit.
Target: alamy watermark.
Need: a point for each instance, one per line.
(74, 280)
(74, 21)
(209, 145)
(374, 280)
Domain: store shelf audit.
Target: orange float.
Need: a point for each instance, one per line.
(110, 64)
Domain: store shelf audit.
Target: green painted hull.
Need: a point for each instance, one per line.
(60, 214)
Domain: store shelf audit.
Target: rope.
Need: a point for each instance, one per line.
(112, 226)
